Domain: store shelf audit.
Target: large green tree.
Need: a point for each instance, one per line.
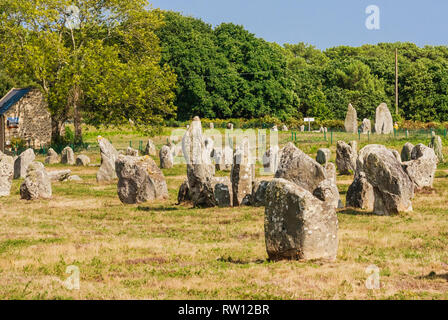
(97, 60)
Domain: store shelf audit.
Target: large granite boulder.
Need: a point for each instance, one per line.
(366, 126)
(346, 156)
(6, 174)
(150, 148)
(392, 187)
(199, 166)
(68, 156)
(82, 160)
(297, 224)
(166, 157)
(406, 152)
(436, 144)
(37, 183)
(271, 159)
(242, 174)
(351, 120)
(298, 167)
(360, 193)
(323, 156)
(139, 180)
(21, 163)
(52, 157)
(422, 166)
(383, 120)
(109, 155)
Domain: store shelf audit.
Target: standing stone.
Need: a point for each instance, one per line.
(271, 159)
(366, 126)
(284, 128)
(131, 152)
(392, 187)
(150, 148)
(208, 153)
(198, 166)
(298, 225)
(166, 157)
(345, 157)
(436, 144)
(222, 190)
(37, 183)
(59, 175)
(184, 192)
(422, 167)
(139, 180)
(212, 126)
(109, 155)
(230, 126)
(52, 157)
(298, 167)
(274, 128)
(259, 193)
(330, 170)
(351, 120)
(383, 120)
(22, 162)
(302, 128)
(406, 152)
(242, 174)
(68, 156)
(323, 156)
(360, 193)
(328, 192)
(6, 174)
(82, 160)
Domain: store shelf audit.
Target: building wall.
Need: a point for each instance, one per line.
(34, 120)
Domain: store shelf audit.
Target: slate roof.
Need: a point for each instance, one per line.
(11, 98)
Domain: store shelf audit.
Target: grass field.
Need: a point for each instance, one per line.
(160, 250)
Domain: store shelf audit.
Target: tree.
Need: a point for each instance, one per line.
(97, 59)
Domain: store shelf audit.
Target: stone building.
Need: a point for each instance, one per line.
(24, 115)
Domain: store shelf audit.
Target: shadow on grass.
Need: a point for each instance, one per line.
(140, 208)
(432, 276)
(356, 212)
(239, 261)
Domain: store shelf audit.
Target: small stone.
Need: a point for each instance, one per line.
(351, 120)
(22, 162)
(323, 156)
(68, 156)
(82, 160)
(37, 183)
(52, 157)
(406, 152)
(166, 158)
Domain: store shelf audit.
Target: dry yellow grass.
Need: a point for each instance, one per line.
(162, 251)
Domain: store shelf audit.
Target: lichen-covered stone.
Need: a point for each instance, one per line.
(150, 148)
(392, 187)
(199, 166)
(68, 156)
(346, 157)
(82, 160)
(422, 166)
(37, 183)
(242, 174)
(366, 126)
(22, 162)
(323, 156)
(52, 157)
(222, 190)
(436, 144)
(59, 175)
(109, 155)
(328, 192)
(166, 157)
(383, 120)
(298, 167)
(259, 193)
(298, 225)
(360, 193)
(271, 159)
(6, 174)
(183, 194)
(131, 152)
(406, 152)
(139, 180)
(351, 120)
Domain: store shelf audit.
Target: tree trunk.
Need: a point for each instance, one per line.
(77, 121)
(55, 130)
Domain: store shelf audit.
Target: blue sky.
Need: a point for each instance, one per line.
(325, 23)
